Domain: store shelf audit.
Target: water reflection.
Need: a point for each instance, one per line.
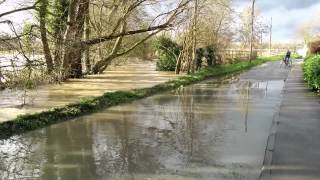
(210, 130)
(20, 158)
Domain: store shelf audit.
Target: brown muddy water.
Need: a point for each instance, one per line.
(216, 129)
(132, 74)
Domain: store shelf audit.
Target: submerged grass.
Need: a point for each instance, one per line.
(28, 122)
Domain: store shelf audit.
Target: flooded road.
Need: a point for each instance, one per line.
(216, 129)
(129, 75)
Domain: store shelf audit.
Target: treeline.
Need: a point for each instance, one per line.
(90, 32)
(78, 37)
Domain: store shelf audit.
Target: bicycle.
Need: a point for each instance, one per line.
(287, 61)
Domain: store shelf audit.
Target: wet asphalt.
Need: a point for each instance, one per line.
(295, 148)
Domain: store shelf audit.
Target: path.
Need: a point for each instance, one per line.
(295, 153)
(213, 130)
(134, 74)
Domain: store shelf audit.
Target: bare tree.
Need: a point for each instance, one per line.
(117, 29)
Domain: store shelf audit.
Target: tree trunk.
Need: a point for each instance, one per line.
(73, 54)
(58, 50)
(86, 37)
(59, 26)
(100, 66)
(44, 39)
(2, 85)
(194, 35)
(178, 64)
(69, 37)
(76, 65)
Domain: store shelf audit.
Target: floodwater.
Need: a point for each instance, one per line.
(216, 129)
(129, 75)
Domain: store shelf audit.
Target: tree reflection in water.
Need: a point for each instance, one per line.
(178, 133)
(19, 159)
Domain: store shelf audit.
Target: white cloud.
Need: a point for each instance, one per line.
(287, 15)
(287, 4)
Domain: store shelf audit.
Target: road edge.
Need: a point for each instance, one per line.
(270, 147)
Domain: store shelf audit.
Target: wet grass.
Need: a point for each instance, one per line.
(28, 122)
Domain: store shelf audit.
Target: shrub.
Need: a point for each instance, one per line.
(168, 53)
(210, 55)
(198, 58)
(311, 70)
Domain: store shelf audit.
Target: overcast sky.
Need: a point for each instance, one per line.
(287, 15)
(19, 18)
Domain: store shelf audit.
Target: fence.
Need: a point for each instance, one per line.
(237, 55)
(234, 55)
(272, 52)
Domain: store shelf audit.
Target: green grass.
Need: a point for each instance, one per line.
(296, 56)
(89, 105)
(311, 70)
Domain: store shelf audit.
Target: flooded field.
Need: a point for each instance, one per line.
(133, 74)
(216, 129)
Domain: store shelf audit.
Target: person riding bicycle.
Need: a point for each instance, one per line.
(287, 57)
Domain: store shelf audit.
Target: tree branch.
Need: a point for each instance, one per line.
(108, 59)
(138, 43)
(20, 9)
(84, 44)
(179, 9)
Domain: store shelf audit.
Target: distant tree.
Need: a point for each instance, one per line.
(260, 28)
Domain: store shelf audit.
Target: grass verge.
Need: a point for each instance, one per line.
(28, 122)
(311, 71)
(297, 56)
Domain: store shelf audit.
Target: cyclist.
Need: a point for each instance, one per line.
(287, 57)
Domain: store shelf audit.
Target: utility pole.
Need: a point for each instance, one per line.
(270, 41)
(252, 30)
(194, 34)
